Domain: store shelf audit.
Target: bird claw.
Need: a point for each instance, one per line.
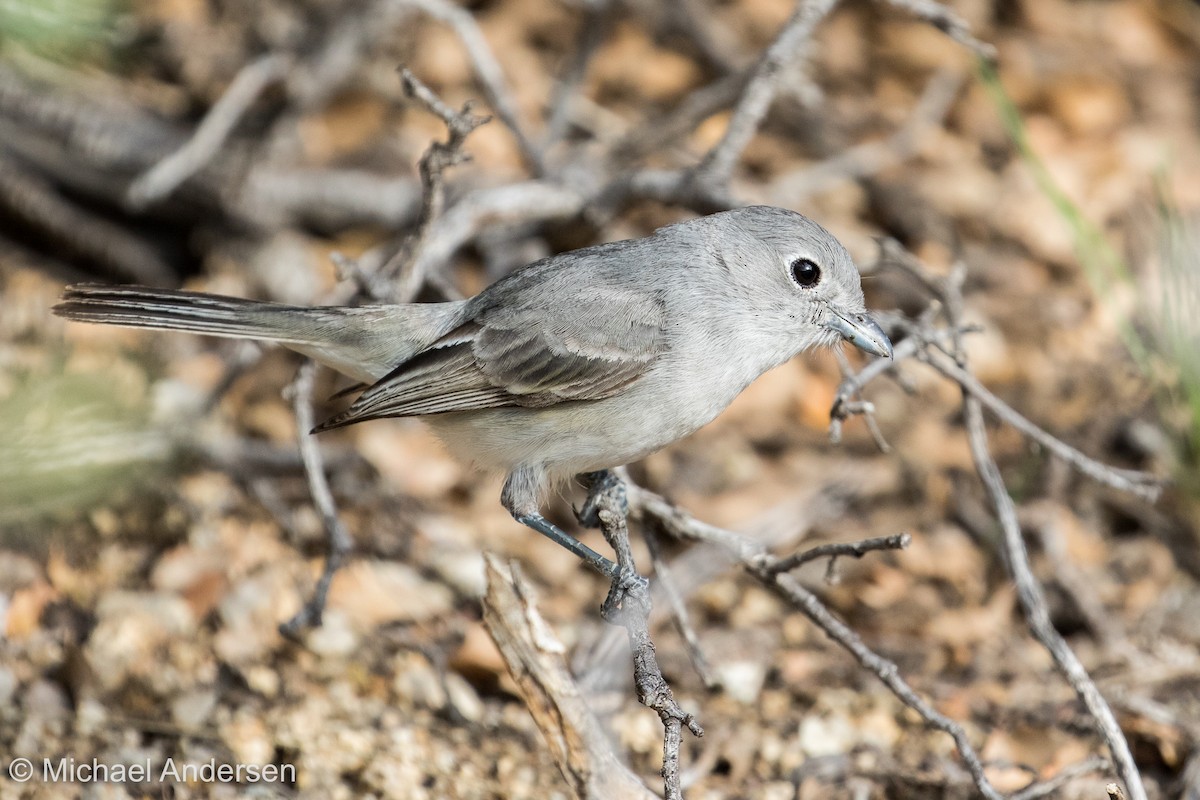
(600, 484)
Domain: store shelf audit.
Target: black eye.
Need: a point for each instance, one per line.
(806, 272)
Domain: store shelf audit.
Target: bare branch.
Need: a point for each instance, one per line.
(1049, 788)
(487, 69)
(758, 562)
(401, 273)
(165, 176)
(578, 743)
(872, 157)
(340, 542)
(949, 23)
(1034, 603)
(898, 541)
(628, 605)
(1141, 484)
(756, 98)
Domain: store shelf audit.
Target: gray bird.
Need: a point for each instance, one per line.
(576, 363)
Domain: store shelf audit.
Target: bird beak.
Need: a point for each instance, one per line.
(862, 332)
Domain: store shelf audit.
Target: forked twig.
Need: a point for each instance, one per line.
(340, 542)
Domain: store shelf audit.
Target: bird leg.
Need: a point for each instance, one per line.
(587, 555)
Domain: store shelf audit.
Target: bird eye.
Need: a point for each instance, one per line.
(806, 272)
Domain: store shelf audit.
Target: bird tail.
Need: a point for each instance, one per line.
(364, 342)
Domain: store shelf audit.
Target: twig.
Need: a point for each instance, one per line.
(165, 176)
(531, 201)
(592, 30)
(577, 741)
(872, 157)
(1142, 484)
(487, 69)
(756, 98)
(887, 671)
(1047, 788)
(1034, 603)
(851, 403)
(835, 550)
(628, 605)
(1029, 593)
(666, 584)
(758, 561)
(949, 23)
(402, 271)
(340, 543)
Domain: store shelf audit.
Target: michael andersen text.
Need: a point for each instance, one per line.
(67, 769)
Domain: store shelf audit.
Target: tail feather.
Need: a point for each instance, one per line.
(168, 309)
(365, 343)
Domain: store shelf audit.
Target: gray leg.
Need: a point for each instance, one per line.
(585, 554)
(521, 496)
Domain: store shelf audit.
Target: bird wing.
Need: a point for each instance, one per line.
(506, 354)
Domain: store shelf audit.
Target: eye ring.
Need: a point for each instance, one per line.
(806, 273)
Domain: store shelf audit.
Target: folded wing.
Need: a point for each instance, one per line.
(508, 354)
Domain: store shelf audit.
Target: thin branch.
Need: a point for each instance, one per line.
(899, 541)
(667, 586)
(1034, 603)
(1050, 787)
(628, 605)
(404, 273)
(1142, 484)
(758, 562)
(340, 542)
(1029, 593)
(165, 176)
(577, 741)
(872, 157)
(593, 28)
(487, 69)
(756, 98)
(949, 23)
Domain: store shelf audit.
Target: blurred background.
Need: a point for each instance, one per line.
(155, 521)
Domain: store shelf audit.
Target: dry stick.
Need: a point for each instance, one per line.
(531, 201)
(852, 404)
(835, 550)
(1142, 484)
(487, 69)
(758, 562)
(679, 612)
(400, 273)
(756, 100)
(887, 671)
(1048, 787)
(165, 176)
(340, 542)
(628, 605)
(593, 28)
(577, 741)
(1029, 593)
(1034, 603)
(948, 23)
(675, 125)
(872, 157)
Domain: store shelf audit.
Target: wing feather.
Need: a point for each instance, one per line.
(511, 354)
